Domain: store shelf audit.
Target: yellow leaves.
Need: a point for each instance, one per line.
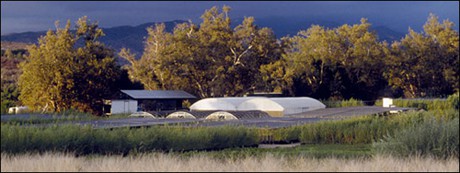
(64, 75)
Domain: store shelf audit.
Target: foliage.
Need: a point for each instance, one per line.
(343, 103)
(67, 116)
(279, 135)
(454, 100)
(337, 63)
(86, 140)
(9, 97)
(309, 151)
(425, 64)
(368, 129)
(438, 138)
(58, 75)
(9, 77)
(425, 104)
(208, 60)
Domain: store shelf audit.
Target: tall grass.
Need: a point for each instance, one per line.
(342, 103)
(452, 102)
(439, 138)
(86, 140)
(51, 162)
(280, 135)
(366, 129)
(65, 116)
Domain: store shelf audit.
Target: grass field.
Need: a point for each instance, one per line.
(310, 151)
(202, 163)
(411, 141)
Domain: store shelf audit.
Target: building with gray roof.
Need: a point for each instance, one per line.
(129, 101)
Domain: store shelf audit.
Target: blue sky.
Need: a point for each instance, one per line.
(17, 16)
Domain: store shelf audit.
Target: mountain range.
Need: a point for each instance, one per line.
(132, 37)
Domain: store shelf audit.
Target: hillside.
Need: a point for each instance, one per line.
(132, 37)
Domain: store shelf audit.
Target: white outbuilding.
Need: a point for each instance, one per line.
(124, 106)
(276, 107)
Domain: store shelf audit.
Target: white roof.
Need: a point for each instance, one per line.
(221, 103)
(264, 104)
(287, 105)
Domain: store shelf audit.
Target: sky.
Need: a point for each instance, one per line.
(20, 16)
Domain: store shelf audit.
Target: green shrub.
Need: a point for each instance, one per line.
(433, 137)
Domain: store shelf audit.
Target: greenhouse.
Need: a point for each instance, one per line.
(237, 115)
(181, 115)
(222, 103)
(276, 107)
(189, 115)
(221, 115)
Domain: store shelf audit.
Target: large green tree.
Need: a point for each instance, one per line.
(342, 62)
(209, 60)
(69, 70)
(426, 64)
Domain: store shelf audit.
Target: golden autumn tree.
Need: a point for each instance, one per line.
(209, 60)
(426, 64)
(68, 70)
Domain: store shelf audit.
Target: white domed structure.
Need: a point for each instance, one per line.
(263, 104)
(221, 103)
(276, 107)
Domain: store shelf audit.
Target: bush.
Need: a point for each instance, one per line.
(432, 137)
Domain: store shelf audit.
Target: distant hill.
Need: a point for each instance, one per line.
(133, 37)
(283, 26)
(13, 45)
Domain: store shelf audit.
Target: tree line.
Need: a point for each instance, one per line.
(213, 59)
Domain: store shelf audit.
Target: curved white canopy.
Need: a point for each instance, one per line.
(263, 104)
(294, 105)
(282, 105)
(222, 103)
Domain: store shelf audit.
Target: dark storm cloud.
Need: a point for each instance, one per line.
(32, 16)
